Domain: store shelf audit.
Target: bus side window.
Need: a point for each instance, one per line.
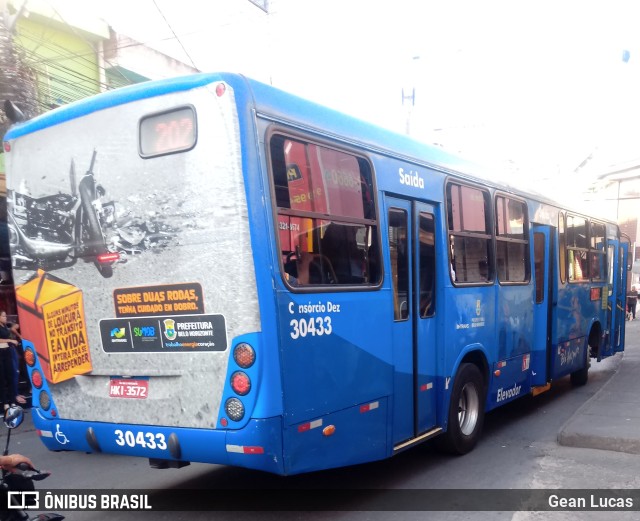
(325, 208)
(398, 244)
(512, 243)
(347, 257)
(427, 265)
(469, 222)
(577, 248)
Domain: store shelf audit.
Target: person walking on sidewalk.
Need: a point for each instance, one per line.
(632, 301)
(8, 375)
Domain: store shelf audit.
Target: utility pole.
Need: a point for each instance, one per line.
(409, 95)
(409, 101)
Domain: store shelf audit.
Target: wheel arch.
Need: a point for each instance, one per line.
(594, 341)
(474, 354)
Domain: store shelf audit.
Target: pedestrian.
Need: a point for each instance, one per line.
(16, 353)
(632, 301)
(8, 376)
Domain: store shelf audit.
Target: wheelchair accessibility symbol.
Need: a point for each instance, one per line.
(60, 436)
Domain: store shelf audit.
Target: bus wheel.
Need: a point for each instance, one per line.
(581, 376)
(466, 412)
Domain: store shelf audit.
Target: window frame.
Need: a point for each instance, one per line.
(602, 254)
(400, 313)
(589, 251)
(562, 248)
(463, 234)
(502, 239)
(572, 250)
(373, 223)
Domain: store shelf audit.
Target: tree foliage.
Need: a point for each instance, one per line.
(17, 80)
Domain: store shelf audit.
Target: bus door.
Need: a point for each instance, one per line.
(413, 239)
(616, 302)
(545, 301)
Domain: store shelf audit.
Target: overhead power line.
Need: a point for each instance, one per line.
(81, 36)
(66, 75)
(175, 35)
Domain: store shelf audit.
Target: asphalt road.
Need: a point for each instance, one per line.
(518, 450)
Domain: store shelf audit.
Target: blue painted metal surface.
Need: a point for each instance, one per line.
(331, 397)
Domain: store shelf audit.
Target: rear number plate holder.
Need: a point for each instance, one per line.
(129, 388)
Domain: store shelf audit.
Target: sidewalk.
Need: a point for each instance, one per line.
(610, 420)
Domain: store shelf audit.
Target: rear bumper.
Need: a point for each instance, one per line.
(258, 445)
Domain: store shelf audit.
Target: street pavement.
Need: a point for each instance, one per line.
(610, 419)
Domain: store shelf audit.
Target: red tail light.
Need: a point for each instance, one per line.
(240, 383)
(105, 258)
(36, 379)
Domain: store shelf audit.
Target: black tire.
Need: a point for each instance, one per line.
(466, 412)
(581, 376)
(90, 222)
(106, 270)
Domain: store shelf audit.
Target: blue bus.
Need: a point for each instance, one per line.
(209, 269)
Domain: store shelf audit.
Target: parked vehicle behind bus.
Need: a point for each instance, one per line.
(293, 289)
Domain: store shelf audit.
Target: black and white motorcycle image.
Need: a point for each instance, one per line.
(54, 231)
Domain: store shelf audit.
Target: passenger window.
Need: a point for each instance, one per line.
(539, 251)
(562, 241)
(512, 240)
(427, 265)
(398, 251)
(326, 215)
(597, 253)
(577, 249)
(469, 220)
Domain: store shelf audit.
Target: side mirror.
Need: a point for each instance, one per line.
(13, 417)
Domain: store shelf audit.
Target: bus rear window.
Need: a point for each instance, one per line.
(168, 132)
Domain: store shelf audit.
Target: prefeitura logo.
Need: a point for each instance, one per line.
(170, 329)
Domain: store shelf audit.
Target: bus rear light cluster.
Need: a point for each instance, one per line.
(244, 355)
(234, 409)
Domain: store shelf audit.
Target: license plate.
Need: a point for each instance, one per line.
(128, 388)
